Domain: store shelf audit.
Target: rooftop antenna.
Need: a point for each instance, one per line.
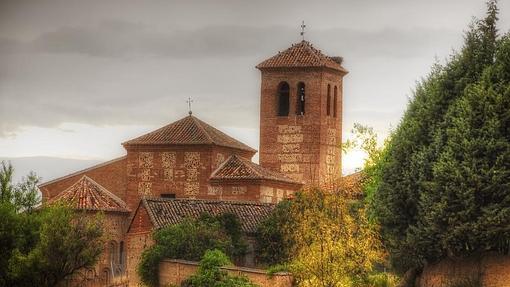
(189, 101)
(303, 26)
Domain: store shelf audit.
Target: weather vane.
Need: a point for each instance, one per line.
(189, 101)
(303, 26)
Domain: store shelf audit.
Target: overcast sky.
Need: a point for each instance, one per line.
(79, 77)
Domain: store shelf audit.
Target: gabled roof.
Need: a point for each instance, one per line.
(239, 168)
(188, 131)
(302, 54)
(87, 194)
(166, 211)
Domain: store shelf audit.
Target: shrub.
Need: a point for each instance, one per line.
(210, 274)
(189, 240)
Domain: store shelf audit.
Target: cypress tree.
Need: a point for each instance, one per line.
(409, 166)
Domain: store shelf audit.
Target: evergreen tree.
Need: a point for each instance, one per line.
(412, 157)
(466, 206)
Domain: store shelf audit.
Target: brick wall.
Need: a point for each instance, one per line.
(305, 147)
(183, 171)
(492, 269)
(266, 191)
(111, 175)
(176, 271)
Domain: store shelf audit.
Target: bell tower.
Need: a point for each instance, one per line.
(301, 114)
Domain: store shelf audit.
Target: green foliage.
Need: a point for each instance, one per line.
(210, 273)
(320, 239)
(272, 246)
(382, 279)
(444, 180)
(331, 245)
(40, 247)
(272, 270)
(67, 242)
(189, 240)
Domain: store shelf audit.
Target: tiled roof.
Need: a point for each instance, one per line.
(188, 131)
(166, 211)
(239, 168)
(302, 54)
(87, 194)
(352, 184)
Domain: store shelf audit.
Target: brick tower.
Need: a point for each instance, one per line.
(301, 114)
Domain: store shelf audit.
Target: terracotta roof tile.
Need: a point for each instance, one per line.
(188, 131)
(302, 54)
(239, 168)
(352, 184)
(164, 211)
(87, 194)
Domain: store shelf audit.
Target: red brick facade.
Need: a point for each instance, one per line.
(305, 146)
(189, 159)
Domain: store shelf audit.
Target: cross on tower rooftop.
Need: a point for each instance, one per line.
(303, 26)
(189, 101)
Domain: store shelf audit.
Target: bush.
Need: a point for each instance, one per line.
(209, 273)
(382, 279)
(189, 240)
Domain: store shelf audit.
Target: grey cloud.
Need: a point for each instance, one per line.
(120, 38)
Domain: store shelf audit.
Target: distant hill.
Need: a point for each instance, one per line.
(47, 167)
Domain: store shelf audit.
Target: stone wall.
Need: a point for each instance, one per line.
(176, 271)
(492, 269)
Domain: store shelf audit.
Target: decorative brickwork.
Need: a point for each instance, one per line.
(209, 171)
(304, 146)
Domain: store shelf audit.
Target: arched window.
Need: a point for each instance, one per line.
(283, 99)
(335, 101)
(300, 99)
(106, 276)
(328, 104)
(121, 253)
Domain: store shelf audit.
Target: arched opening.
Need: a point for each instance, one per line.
(122, 256)
(283, 99)
(328, 103)
(106, 276)
(335, 101)
(300, 99)
(113, 252)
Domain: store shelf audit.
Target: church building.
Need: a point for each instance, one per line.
(189, 167)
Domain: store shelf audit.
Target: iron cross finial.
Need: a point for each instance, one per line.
(303, 26)
(189, 101)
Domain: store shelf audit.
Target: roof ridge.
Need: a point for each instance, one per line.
(109, 193)
(73, 191)
(213, 174)
(199, 124)
(82, 171)
(250, 165)
(220, 201)
(316, 53)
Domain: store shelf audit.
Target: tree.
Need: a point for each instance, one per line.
(466, 206)
(419, 188)
(272, 246)
(210, 274)
(321, 239)
(189, 240)
(43, 246)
